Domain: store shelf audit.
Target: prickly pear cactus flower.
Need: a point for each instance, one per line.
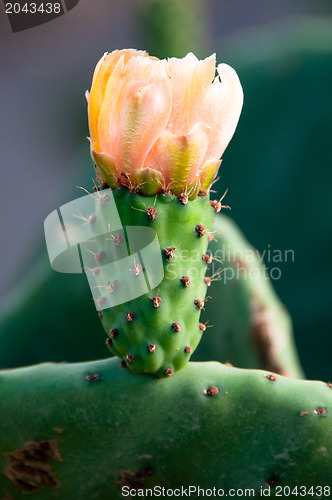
(161, 125)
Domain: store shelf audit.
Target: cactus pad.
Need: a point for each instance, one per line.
(152, 329)
(95, 428)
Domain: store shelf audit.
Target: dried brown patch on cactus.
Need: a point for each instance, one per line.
(271, 377)
(266, 336)
(215, 277)
(186, 280)
(176, 326)
(216, 204)
(109, 342)
(187, 349)
(207, 280)
(90, 220)
(93, 377)
(320, 411)
(29, 468)
(304, 413)
(211, 391)
(130, 358)
(151, 212)
(169, 252)
(95, 271)
(130, 316)
(114, 332)
(156, 301)
(137, 269)
(183, 197)
(101, 301)
(272, 481)
(200, 303)
(99, 256)
(201, 230)
(151, 347)
(135, 480)
(118, 238)
(113, 286)
(207, 258)
(123, 364)
(168, 372)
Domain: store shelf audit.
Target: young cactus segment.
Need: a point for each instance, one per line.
(154, 329)
(209, 426)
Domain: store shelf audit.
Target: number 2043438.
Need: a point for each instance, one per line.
(303, 491)
(33, 8)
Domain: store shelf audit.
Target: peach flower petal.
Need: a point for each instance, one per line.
(161, 123)
(189, 78)
(222, 104)
(100, 78)
(179, 157)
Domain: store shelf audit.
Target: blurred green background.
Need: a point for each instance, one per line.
(277, 167)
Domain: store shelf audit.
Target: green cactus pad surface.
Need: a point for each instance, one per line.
(157, 330)
(86, 431)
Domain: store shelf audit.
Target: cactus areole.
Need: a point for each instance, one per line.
(158, 129)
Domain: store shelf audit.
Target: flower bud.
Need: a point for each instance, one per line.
(161, 125)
